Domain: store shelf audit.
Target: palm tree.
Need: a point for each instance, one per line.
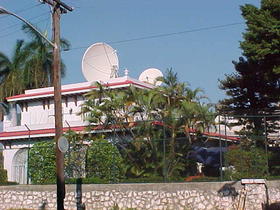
(38, 71)
(30, 66)
(174, 103)
(11, 71)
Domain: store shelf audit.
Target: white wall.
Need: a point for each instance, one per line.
(8, 160)
(37, 115)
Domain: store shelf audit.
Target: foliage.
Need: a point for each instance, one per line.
(11, 71)
(38, 71)
(140, 118)
(247, 163)
(206, 179)
(3, 172)
(104, 161)
(41, 165)
(254, 88)
(274, 161)
(29, 66)
(3, 176)
(89, 180)
(75, 157)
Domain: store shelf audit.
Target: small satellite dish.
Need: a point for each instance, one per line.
(150, 76)
(100, 62)
(63, 144)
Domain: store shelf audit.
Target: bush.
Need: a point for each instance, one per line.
(104, 161)
(3, 176)
(42, 168)
(154, 179)
(249, 163)
(92, 180)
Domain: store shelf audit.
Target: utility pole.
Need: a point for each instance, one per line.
(58, 106)
(58, 7)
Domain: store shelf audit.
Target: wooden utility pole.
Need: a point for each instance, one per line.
(58, 7)
(58, 106)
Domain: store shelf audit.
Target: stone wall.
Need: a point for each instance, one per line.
(203, 195)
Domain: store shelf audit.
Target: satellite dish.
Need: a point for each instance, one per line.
(63, 144)
(150, 76)
(100, 62)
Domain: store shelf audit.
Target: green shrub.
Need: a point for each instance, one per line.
(9, 183)
(104, 161)
(42, 168)
(92, 180)
(247, 163)
(154, 179)
(3, 176)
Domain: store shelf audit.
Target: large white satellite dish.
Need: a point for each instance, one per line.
(100, 62)
(150, 75)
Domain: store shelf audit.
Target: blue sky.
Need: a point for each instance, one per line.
(200, 57)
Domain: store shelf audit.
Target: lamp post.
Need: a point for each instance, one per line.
(5, 11)
(57, 94)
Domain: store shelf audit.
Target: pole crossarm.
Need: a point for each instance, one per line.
(60, 4)
(5, 11)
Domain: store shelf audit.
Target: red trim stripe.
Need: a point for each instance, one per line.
(82, 128)
(37, 132)
(73, 89)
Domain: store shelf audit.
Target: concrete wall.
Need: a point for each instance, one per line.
(224, 195)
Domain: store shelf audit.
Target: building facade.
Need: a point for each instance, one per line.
(31, 119)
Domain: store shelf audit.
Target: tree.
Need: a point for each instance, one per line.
(11, 71)
(30, 65)
(148, 122)
(254, 89)
(246, 163)
(182, 111)
(38, 71)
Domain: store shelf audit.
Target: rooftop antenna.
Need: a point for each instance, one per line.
(150, 76)
(100, 62)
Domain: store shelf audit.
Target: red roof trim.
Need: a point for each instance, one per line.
(81, 128)
(73, 89)
(210, 134)
(38, 132)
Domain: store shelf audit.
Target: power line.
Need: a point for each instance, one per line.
(165, 35)
(10, 33)
(17, 24)
(21, 10)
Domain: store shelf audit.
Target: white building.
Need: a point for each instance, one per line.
(32, 119)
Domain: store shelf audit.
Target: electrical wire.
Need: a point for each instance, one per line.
(164, 35)
(18, 24)
(10, 33)
(22, 10)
